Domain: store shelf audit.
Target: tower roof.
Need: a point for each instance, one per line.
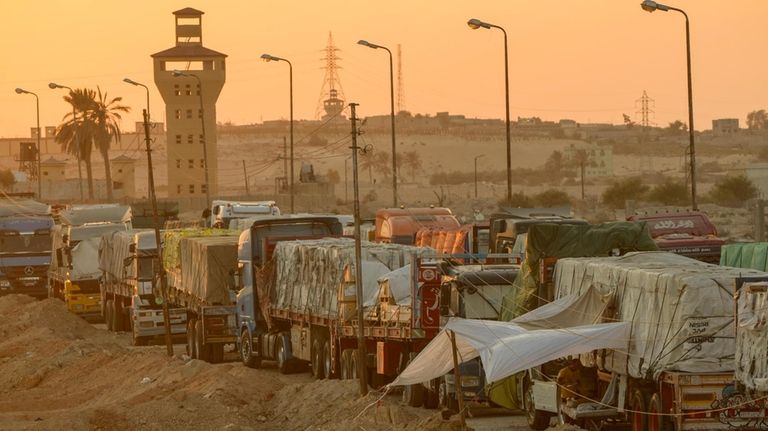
(188, 51)
(188, 11)
(52, 161)
(123, 158)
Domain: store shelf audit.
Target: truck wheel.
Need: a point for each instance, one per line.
(328, 370)
(537, 419)
(344, 364)
(413, 395)
(282, 357)
(431, 395)
(203, 350)
(246, 351)
(119, 319)
(656, 422)
(108, 318)
(114, 316)
(191, 344)
(317, 358)
(216, 352)
(638, 418)
(353, 371)
(446, 400)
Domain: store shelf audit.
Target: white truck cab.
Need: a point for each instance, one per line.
(224, 211)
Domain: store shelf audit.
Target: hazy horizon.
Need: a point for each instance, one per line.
(587, 61)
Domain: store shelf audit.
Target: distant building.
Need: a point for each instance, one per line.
(725, 126)
(124, 177)
(566, 123)
(155, 127)
(600, 157)
(183, 113)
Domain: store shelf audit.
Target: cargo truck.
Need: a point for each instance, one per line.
(297, 304)
(677, 370)
(688, 233)
(129, 288)
(25, 247)
(200, 266)
(400, 225)
(74, 272)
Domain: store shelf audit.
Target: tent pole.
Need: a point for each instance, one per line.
(457, 382)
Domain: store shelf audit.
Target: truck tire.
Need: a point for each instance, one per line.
(191, 344)
(447, 401)
(317, 358)
(281, 355)
(216, 352)
(637, 406)
(537, 419)
(203, 350)
(344, 360)
(114, 316)
(431, 395)
(353, 364)
(328, 369)
(119, 318)
(413, 395)
(108, 317)
(246, 351)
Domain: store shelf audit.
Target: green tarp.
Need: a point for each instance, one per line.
(561, 240)
(752, 255)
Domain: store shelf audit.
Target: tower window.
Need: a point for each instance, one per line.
(199, 113)
(202, 163)
(191, 189)
(178, 114)
(188, 90)
(198, 89)
(178, 163)
(202, 139)
(191, 163)
(178, 189)
(189, 113)
(190, 139)
(178, 139)
(203, 188)
(176, 90)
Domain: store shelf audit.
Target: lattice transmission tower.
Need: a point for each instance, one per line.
(331, 100)
(645, 109)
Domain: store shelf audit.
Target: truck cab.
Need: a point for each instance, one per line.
(25, 253)
(222, 212)
(688, 233)
(399, 225)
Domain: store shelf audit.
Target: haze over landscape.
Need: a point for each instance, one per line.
(587, 60)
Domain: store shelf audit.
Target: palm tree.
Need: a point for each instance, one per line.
(105, 117)
(582, 159)
(74, 134)
(412, 160)
(367, 163)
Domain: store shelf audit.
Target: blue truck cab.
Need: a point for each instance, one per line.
(25, 248)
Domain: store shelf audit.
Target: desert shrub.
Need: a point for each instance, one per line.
(733, 191)
(552, 198)
(620, 191)
(670, 192)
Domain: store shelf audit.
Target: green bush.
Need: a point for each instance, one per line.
(733, 191)
(623, 190)
(670, 192)
(552, 198)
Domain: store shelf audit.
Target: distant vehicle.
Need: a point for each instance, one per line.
(505, 228)
(25, 247)
(688, 233)
(222, 212)
(400, 225)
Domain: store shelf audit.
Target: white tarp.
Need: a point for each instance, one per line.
(752, 337)
(397, 285)
(551, 331)
(681, 310)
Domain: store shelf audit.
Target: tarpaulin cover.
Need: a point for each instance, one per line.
(25, 207)
(506, 348)
(114, 248)
(85, 252)
(752, 338)
(745, 255)
(172, 239)
(561, 240)
(107, 213)
(308, 273)
(207, 265)
(681, 310)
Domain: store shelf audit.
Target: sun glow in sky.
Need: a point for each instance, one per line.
(587, 60)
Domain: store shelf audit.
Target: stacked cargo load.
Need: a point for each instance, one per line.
(752, 337)
(745, 255)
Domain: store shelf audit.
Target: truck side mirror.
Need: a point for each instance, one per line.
(132, 248)
(234, 276)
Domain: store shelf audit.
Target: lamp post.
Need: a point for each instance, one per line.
(651, 6)
(178, 73)
(391, 115)
(268, 58)
(39, 172)
(476, 157)
(475, 24)
(156, 222)
(53, 86)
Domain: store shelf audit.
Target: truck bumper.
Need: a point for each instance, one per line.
(150, 322)
(36, 288)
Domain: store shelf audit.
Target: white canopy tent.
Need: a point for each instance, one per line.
(506, 348)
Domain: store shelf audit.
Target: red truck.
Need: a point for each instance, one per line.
(399, 225)
(688, 233)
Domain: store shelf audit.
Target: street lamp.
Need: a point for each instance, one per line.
(474, 24)
(268, 58)
(391, 115)
(39, 172)
(178, 73)
(476, 157)
(156, 222)
(54, 86)
(651, 6)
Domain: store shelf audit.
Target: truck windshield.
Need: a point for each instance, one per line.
(13, 242)
(145, 270)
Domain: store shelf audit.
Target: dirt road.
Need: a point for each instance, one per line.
(59, 372)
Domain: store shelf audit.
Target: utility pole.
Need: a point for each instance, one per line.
(245, 178)
(358, 260)
(285, 157)
(156, 222)
(346, 183)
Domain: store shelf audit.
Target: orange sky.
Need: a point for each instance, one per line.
(582, 59)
